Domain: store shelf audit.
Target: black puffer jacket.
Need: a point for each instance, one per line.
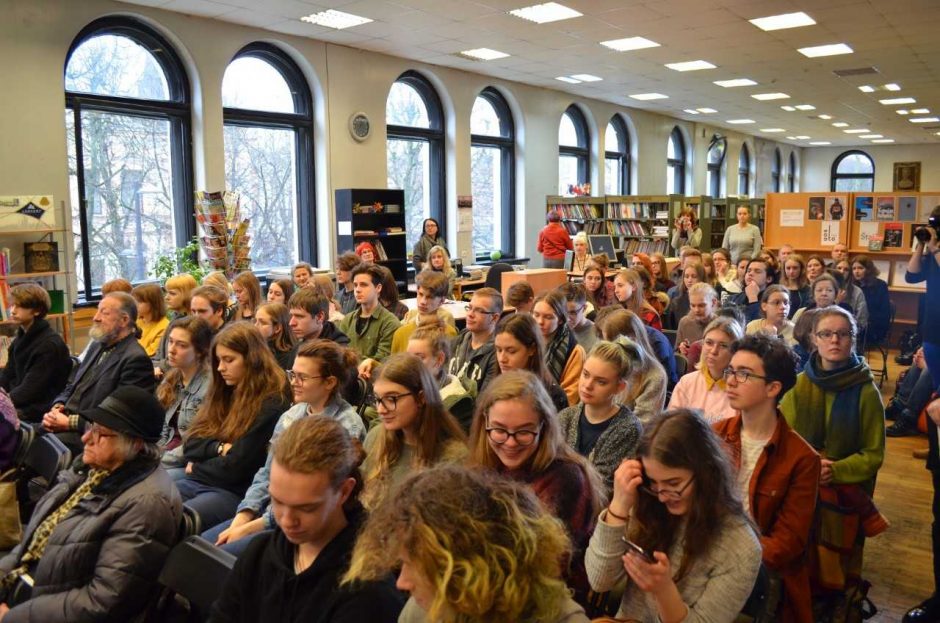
(102, 560)
(38, 369)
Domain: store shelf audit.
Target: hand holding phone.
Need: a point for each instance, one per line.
(639, 551)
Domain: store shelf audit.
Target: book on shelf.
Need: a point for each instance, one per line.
(576, 211)
(656, 245)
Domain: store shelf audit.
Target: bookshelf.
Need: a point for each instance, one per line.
(376, 216)
(580, 213)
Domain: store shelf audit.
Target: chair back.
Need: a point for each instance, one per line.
(682, 364)
(494, 278)
(27, 434)
(671, 336)
(47, 456)
(764, 601)
(196, 570)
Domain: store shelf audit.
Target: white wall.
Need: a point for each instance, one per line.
(817, 165)
(35, 36)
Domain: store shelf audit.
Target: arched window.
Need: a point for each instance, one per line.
(573, 153)
(775, 167)
(853, 171)
(127, 112)
(791, 174)
(617, 157)
(267, 112)
(744, 170)
(492, 173)
(714, 164)
(415, 150)
(675, 163)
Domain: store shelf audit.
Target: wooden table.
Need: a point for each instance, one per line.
(466, 284)
(541, 279)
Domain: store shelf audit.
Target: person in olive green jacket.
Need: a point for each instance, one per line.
(370, 326)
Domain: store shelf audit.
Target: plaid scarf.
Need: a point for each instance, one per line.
(559, 349)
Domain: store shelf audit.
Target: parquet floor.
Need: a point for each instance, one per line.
(898, 563)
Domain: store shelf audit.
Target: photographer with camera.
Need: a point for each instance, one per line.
(687, 232)
(924, 265)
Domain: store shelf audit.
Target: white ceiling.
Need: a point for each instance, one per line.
(897, 37)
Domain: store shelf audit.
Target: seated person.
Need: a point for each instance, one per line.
(38, 361)
(491, 528)
(302, 273)
(599, 428)
(225, 444)
(582, 328)
(758, 275)
(432, 290)
(152, 320)
(388, 297)
(439, 262)
(322, 368)
(703, 301)
(309, 318)
(563, 355)
(474, 358)
(346, 263)
(660, 273)
(774, 310)
(826, 290)
(679, 305)
(519, 346)
(211, 304)
(628, 289)
(521, 296)
(777, 471)
(179, 290)
(912, 397)
(516, 433)
(185, 383)
(431, 345)
(293, 573)
(370, 326)
(280, 291)
(113, 360)
(705, 389)
(97, 540)
(273, 322)
(9, 431)
(416, 431)
(877, 299)
(599, 295)
(676, 513)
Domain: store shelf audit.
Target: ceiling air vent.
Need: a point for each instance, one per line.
(859, 71)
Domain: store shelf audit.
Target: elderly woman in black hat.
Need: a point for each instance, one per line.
(98, 539)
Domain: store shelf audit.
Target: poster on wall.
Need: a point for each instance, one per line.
(885, 208)
(893, 235)
(836, 210)
(26, 212)
(927, 205)
(817, 208)
(865, 232)
(863, 208)
(791, 218)
(829, 233)
(907, 208)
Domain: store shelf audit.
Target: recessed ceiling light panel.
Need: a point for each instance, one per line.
(773, 130)
(545, 13)
(892, 87)
(335, 19)
(645, 97)
(736, 82)
(897, 101)
(690, 65)
(691, 111)
(629, 43)
(568, 79)
(484, 54)
(706, 111)
(832, 49)
(805, 107)
(820, 143)
(786, 20)
(883, 140)
(803, 137)
(840, 124)
(857, 131)
(920, 111)
(827, 117)
(866, 88)
(741, 121)
(764, 97)
(924, 119)
(871, 136)
(788, 108)
(903, 111)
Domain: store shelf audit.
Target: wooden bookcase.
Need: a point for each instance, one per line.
(357, 220)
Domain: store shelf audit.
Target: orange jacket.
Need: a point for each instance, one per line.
(783, 501)
(554, 241)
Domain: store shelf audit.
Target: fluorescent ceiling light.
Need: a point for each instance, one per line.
(872, 136)
(586, 77)
(924, 119)
(898, 100)
(825, 116)
(803, 137)
(690, 65)
(691, 111)
(787, 20)
(857, 131)
(892, 87)
(788, 108)
(741, 121)
(773, 130)
(770, 96)
(791, 138)
(630, 43)
(831, 49)
(840, 124)
(569, 80)
(736, 82)
(820, 143)
(335, 19)
(484, 54)
(805, 107)
(903, 111)
(645, 97)
(920, 111)
(883, 140)
(866, 88)
(544, 13)
(706, 111)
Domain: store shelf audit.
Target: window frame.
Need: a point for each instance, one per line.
(835, 176)
(744, 170)
(506, 143)
(775, 167)
(622, 155)
(432, 135)
(677, 164)
(177, 110)
(791, 173)
(301, 123)
(713, 170)
(582, 153)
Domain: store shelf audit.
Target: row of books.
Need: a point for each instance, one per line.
(636, 228)
(379, 250)
(387, 231)
(583, 210)
(656, 245)
(638, 210)
(588, 227)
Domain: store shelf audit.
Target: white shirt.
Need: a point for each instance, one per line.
(750, 451)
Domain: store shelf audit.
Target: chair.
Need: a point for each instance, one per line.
(190, 523)
(46, 457)
(762, 605)
(27, 435)
(682, 364)
(881, 344)
(192, 577)
(671, 336)
(494, 278)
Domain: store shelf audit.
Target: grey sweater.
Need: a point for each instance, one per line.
(715, 588)
(746, 241)
(615, 444)
(571, 613)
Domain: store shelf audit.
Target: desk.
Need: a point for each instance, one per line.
(466, 284)
(541, 279)
(456, 308)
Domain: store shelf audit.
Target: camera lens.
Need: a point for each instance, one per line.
(922, 234)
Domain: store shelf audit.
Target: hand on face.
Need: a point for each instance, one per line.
(627, 479)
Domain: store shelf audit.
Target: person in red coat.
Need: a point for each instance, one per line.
(553, 242)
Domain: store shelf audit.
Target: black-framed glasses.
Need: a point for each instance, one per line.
(842, 334)
(499, 435)
(669, 494)
(301, 379)
(479, 310)
(577, 310)
(741, 376)
(388, 402)
(97, 431)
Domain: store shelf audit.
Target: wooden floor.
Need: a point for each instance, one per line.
(898, 563)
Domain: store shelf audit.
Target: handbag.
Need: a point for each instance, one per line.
(11, 529)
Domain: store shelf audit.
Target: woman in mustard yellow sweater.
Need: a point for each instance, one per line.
(151, 316)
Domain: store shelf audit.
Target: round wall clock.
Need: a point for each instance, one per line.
(359, 126)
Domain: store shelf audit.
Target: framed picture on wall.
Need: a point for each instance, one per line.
(906, 176)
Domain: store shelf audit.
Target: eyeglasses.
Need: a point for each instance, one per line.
(741, 376)
(826, 334)
(669, 494)
(479, 310)
(523, 437)
(96, 431)
(301, 379)
(577, 310)
(389, 402)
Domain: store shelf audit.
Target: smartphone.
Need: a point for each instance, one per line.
(642, 553)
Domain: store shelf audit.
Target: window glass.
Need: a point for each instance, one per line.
(252, 83)
(405, 106)
(117, 66)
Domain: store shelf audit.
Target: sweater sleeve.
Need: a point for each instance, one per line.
(758, 240)
(860, 307)
(695, 240)
(571, 374)
(603, 559)
(864, 464)
(787, 539)
(727, 239)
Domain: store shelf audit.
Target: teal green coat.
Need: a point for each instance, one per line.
(375, 342)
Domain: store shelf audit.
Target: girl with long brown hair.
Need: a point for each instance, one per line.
(628, 288)
(226, 443)
(273, 321)
(519, 345)
(247, 290)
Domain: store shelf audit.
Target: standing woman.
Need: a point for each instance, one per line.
(247, 291)
(595, 285)
(837, 409)
(439, 261)
(705, 389)
(796, 281)
(516, 433)
(661, 272)
(876, 297)
(553, 242)
(519, 345)
(227, 441)
(775, 310)
(280, 291)
(416, 430)
(563, 355)
(184, 386)
(151, 316)
(679, 503)
(273, 322)
(742, 238)
(581, 257)
(430, 237)
(687, 232)
(628, 288)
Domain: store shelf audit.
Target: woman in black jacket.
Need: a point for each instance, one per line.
(877, 300)
(227, 441)
(39, 361)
